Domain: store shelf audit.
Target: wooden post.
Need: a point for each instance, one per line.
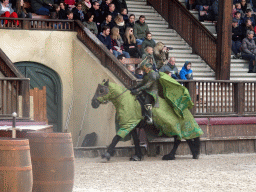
(26, 24)
(192, 92)
(239, 97)
(25, 98)
(224, 40)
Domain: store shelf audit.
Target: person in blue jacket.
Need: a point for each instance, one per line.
(186, 73)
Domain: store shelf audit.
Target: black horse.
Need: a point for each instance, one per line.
(129, 108)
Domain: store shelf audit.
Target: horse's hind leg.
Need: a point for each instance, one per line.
(171, 155)
(111, 148)
(138, 153)
(194, 146)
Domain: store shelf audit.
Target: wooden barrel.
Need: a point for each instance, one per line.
(52, 158)
(15, 165)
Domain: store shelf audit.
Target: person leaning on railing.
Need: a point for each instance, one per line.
(21, 11)
(249, 51)
(7, 11)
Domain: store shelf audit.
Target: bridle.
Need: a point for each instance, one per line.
(106, 101)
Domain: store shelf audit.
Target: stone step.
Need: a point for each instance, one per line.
(141, 11)
(180, 51)
(183, 55)
(135, 3)
(149, 21)
(146, 14)
(165, 26)
(192, 60)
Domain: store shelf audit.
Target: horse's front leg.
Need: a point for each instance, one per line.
(194, 145)
(111, 149)
(171, 155)
(138, 153)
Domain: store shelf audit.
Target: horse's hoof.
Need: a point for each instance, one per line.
(168, 157)
(195, 156)
(135, 158)
(105, 157)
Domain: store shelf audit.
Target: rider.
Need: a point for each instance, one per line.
(147, 90)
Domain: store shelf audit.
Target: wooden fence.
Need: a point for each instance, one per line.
(10, 90)
(38, 105)
(222, 98)
(189, 28)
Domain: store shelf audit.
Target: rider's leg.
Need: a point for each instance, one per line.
(171, 155)
(111, 148)
(138, 153)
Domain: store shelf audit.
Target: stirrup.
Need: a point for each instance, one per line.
(149, 120)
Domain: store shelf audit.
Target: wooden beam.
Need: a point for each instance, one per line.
(224, 28)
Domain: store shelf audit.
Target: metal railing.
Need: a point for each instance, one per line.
(189, 28)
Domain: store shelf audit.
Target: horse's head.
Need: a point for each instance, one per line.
(101, 91)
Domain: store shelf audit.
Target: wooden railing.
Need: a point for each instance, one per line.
(222, 98)
(189, 28)
(37, 24)
(10, 90)
(107, 59)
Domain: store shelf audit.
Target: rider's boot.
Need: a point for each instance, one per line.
(148, 114)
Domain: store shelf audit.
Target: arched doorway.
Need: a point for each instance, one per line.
(40, 76)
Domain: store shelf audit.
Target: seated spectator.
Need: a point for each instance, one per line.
(161, 54)
(95, 10)
(140, 29)
(117, 43)
(233, 11)
(239, 18)
(70, 4)
(237, 36)
(7, 11)
(112, 10)
(238, 9)
(148, 42)
(42, 7)
(203, 7)
(130, 44)
(86, 5)
(55, 11)
(119, 4)
(247, 27)
(124, 14)
(20, 10)
(139, 73)
(215, 9)
(186, 73)
(149, 53)
(90, 24)
(105, 6)
(131, 69)
(119, 23)
(248, 15)
(105, 38)
(121, 58)
(131, 21)
(107, 22)
(249, 50)
(63, 11)
(78, 13)
(171, 68)
(245, 6)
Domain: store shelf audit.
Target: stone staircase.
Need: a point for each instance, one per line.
(182, 51)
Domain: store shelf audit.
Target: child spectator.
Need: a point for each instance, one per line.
(105, 38)
(107, 22)
(119, 23)
(171, 68)
(149, 53)
(86, 5)
(130, 45)
(140, 29)
(63, 11)
(124, 14)
(90, 24)
(139, 73)
(117, 43)
(148, 42)
(7, 11)
(131, 69)
(186, 73)
(78, 13)
(20, 10)
(131, 21)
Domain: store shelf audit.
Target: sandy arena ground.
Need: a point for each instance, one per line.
(233, 172)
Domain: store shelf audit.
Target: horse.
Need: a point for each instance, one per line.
(129, 117)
